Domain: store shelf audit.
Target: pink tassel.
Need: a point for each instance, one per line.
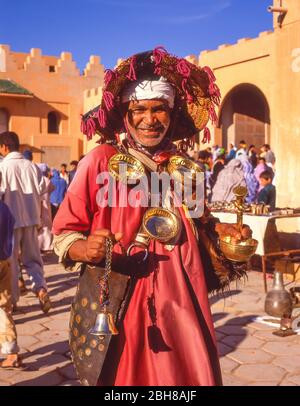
(131, 74)
(206, 136)
(109, 75)
(158, 54)
(183, 68)
(101, 117)
(210, 73)
(108, 98)
(83, 127)
(91, 128)
(188, 96)
(213, 115)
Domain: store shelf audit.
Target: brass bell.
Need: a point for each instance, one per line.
(104, 325)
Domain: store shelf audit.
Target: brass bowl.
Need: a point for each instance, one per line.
(125, 167)
(181, 167)
(238, 252)
(161, 224)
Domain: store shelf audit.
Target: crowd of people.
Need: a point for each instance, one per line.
(243, 165)
(30, 195)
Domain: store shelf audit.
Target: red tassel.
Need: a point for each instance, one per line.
(206, 135)
(83, 127)
(131, 74)
(101, 117)
(109, 75)
(183, 68)
(108, 98)
(210, 73)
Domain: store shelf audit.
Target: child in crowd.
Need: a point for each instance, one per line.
(267, 195)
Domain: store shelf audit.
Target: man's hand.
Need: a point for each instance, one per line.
(93, 249)
(238, 234)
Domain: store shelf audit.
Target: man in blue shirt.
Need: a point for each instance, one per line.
(8, 334)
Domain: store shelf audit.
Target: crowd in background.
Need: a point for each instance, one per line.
(239, 166)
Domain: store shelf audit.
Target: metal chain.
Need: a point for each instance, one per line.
(103, 282)
(108, 257)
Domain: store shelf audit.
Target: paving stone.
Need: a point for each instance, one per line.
(30, 329)
(223, 349)
(219, 335)
(291, 381)
(26, 341)
(230, 380)
(228, 365)
(251, 356)
(242, 342)
(282, 348)
(291, 364)
(268, 335)
(59, 347)
(53, 335)
(232, 330)
(260, 372)
(39, 362)
(37, 378)
(57, 324)
(264, 383)
(68, 372)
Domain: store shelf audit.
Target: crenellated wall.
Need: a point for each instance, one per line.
(56, 85)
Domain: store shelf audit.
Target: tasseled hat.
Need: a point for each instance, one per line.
(197, 95)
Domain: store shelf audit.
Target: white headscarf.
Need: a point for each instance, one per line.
(149, 90)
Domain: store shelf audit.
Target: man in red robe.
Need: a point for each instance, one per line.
(167, 336)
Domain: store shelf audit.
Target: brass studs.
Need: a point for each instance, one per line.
(93, 343)
(84, 302)
(75, 332)
(94, 306)
(88, 352)
(78, 319)
(73, 345)
(80, 355)
(82, 339)
(101, 347)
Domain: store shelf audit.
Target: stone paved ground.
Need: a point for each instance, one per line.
(250, 353)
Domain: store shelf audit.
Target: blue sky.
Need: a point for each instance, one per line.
(119, 28)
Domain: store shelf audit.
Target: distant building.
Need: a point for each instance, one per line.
(41, 99)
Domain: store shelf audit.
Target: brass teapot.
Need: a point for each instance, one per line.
(243, 250)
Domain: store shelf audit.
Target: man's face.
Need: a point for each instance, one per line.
(4, 150)
(148, 121)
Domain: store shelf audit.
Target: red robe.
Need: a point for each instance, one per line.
(179, 347)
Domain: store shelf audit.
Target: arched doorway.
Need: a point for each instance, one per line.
(245, 115)
(4, 119)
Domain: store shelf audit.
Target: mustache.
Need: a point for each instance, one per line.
(151, 127)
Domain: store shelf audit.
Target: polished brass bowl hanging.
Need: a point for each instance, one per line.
(161, 224)
(181, 167)
(238, 252)
(125, 167)
(243, 250)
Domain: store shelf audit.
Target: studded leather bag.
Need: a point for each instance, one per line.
(89, 350)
